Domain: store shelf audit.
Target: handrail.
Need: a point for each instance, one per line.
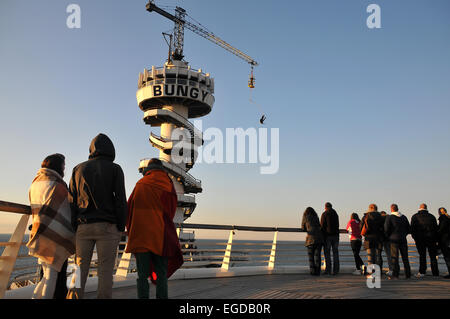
(246, 228)
(10, 207)
(276, 253)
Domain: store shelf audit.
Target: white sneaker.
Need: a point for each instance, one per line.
(419, 275)
(356, 272)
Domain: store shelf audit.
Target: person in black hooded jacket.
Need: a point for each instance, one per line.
(99, 208)
(424, 231)
(396, 228)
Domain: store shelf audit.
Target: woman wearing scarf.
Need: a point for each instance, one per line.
(152, 236)
(52, 239)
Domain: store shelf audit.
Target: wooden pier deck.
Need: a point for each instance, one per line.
(297, 286)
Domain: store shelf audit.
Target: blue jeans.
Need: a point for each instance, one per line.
(332, 243)
(374, 249)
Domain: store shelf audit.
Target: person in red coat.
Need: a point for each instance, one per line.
(354, 230)
(152, 235)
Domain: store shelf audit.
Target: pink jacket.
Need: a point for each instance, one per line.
(353, 227)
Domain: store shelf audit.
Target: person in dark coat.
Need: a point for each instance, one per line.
(424, 231)
(444, 237)
(329, 223)
(396, 228)
(387, 247)
(99, 211)
(372, 228)
(314, 239)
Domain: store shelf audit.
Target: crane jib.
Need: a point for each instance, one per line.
(180, 23)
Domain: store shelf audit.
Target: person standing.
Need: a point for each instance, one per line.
(387, 247)
(373, 232)
(52, 238)
(354, 230)
(444, 237)
(329, 224)
(97, 193)
(424, 231)
(314, 239)
(396, 228)
(152, 236)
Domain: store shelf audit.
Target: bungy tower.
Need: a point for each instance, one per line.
(169, 97)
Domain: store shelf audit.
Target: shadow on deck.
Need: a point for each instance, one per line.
(297, 286)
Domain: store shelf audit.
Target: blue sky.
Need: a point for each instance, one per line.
(363, 113)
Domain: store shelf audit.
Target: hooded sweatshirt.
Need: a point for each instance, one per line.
(396, 228)
(97, 187)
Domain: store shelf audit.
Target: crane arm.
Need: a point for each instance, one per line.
(152, 7)
(180, 23)
(211, 37)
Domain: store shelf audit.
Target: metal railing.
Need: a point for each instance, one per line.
(197, 254)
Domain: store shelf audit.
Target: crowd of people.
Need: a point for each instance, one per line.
(93, 211)
(375, 232)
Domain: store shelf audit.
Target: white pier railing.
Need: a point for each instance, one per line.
(17, 268)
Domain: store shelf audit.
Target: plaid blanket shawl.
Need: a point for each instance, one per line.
(52, 238)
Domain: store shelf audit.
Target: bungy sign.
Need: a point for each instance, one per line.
(175, 90)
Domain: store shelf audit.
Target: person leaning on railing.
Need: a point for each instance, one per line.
(386, 245)
(396, 228)
(354, 230)
(424, 231)
(314, 239)
(52, 238)
(444, 237)
(329, 223)
(373, 232)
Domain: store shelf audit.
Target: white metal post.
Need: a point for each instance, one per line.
(273, 251)
(227, 256)
(9, 256)
(122, 269)
(124, 264)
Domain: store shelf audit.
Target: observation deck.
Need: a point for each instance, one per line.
(237, 269)
(176, 83)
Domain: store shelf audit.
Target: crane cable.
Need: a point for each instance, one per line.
(251, 85)
(263, 116)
